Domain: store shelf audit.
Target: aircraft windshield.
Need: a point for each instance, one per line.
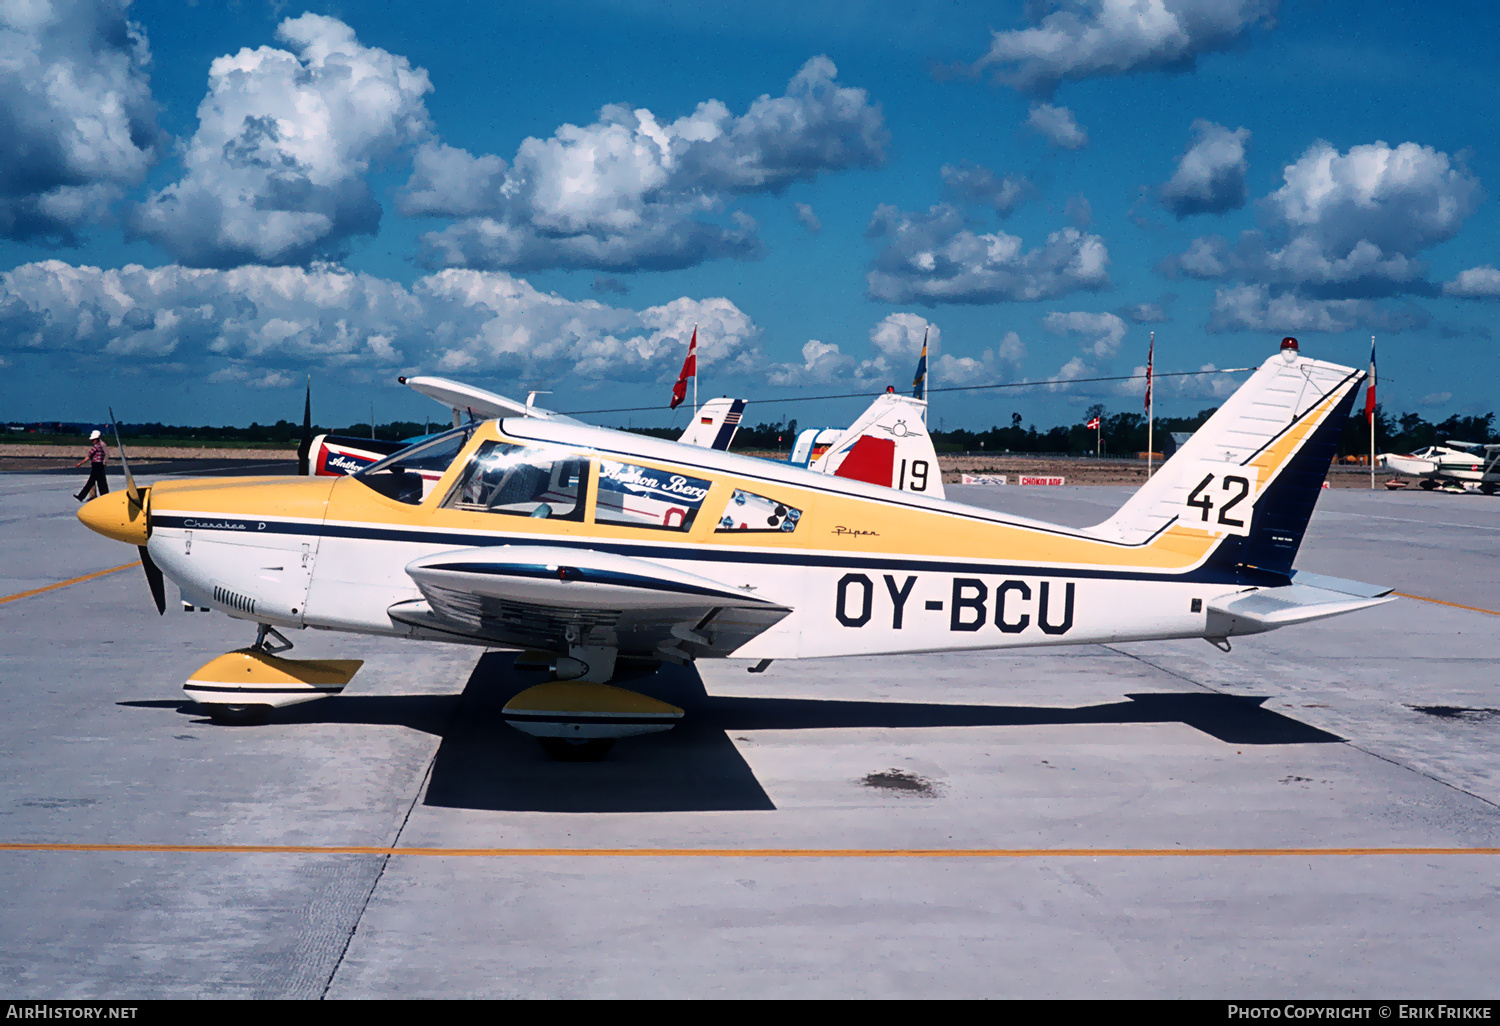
(522, 481)
(409, 475)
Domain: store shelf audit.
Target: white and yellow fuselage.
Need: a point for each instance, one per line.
(854, 569)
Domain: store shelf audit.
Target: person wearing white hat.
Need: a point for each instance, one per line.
(96, 459)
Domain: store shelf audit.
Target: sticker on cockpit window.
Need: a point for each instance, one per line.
(750, 512)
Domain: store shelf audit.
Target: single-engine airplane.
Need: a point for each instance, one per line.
(1450, 466)
(590, 550)
(713, 426)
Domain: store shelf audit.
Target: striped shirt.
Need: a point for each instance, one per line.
(97, 453)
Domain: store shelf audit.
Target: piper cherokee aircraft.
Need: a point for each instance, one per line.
(1451, 465)
(589, 550)
(713, 426)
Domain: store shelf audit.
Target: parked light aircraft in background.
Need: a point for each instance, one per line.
(1451, 465)
(590, 550)
(888, 445)
(713, 426)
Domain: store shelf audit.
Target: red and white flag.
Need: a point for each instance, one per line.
(1093, 424)
(689, 370)
(1150, 355)
(1370, 395)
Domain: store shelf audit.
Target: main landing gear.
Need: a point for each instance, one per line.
(576, 719)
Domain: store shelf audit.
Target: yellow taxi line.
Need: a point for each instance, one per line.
(64, 584)
(722, 853)
(1440, 602)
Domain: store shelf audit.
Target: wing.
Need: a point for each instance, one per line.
(485, 405)
(545, 597)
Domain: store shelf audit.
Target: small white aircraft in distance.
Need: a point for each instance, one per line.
(713, 426)
(589, 549)
(1450, 465)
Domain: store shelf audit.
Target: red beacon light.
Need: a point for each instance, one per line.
(1289, 350)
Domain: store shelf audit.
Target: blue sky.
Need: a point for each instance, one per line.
(202, 204)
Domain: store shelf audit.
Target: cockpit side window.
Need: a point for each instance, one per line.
(522, 481)
(409, 475)
(634, 496)
(753, 513)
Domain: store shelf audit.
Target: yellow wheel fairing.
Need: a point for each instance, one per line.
(583, 710)
(251, 677)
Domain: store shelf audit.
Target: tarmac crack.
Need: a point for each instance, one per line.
(1357, 747)
(385, 859)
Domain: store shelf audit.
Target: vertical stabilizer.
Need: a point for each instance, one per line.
(899, 419)
(715, 424)
(1253, 473)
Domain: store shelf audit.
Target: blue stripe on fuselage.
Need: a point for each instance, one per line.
(1206, 574)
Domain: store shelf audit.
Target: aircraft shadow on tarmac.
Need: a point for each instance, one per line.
(483, 763)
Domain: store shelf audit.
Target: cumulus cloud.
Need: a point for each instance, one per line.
(631, 191)
(1081, 39)
(1256, 308)
(77, 122)
(250, 324)
(895, 342)
(1145, 313)
(1210, 177)
(275, 173)
(902, 335)
(991, 365)
(822, 364)
(1208, 385)
(1057, 126)
(936, 258)
(1475, 283)
(807, 217)
(1098, 333)
(974, 183)
(1346, 225)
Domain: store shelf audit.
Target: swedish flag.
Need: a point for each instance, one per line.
(919, 380)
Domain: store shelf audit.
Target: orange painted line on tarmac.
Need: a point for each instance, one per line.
(730, 853)
(64, 584)
(1440, 602)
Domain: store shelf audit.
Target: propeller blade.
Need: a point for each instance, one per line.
(154, 579)
(304, 449)
(131, 490)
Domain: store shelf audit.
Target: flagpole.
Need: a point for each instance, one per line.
(1372, 415)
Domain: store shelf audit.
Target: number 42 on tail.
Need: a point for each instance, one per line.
(1221, 499)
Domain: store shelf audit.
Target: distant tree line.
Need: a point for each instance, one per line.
(1410, 432)
(1122, 434)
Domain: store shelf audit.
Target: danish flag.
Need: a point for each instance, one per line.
(689, 370)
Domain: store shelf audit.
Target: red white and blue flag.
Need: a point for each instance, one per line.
(1370, 395)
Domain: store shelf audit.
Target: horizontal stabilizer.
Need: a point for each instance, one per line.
(1265, 609)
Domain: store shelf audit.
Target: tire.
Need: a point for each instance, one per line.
(238, 715)
(1427, 485)
(1488, 489)
(564, 750)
